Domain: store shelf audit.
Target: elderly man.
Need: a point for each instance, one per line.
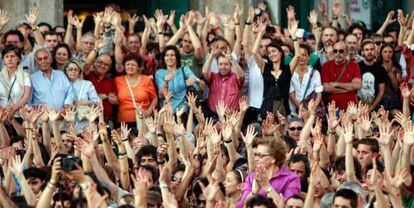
(104, 85)
(341, 78)
(50, 87)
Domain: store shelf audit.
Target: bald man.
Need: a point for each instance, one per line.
(341, 78)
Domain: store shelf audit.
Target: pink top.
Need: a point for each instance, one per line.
(224, 88)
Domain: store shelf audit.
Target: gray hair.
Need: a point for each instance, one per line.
(327, 200)
(293, 119)
(44, 49)
(356, 187)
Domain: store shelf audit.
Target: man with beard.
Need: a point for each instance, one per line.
(329, 38)
(352, 44)
(341, 78)
(374, 77)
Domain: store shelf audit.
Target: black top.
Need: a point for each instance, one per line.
(372, 76)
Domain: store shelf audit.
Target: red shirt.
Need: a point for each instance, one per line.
(103, 86)
(330, 72)
(224, 88)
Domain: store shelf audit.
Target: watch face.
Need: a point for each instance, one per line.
(257, 11)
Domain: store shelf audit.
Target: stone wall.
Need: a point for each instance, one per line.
(50, 11)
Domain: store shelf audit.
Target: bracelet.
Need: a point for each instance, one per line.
(121, 154)
(227, 141)
(294, 39)
(95, 50)
(124, 140)
(237, 24)
(247, 23)
(160, 33)
(161, 161)
(334, 18)
(84, 186)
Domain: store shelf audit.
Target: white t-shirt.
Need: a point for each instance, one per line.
(256, 85)
(17, 90)
(299, 88)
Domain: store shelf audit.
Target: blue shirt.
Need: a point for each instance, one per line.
(54, 92)
(88, 92)
(177, 85)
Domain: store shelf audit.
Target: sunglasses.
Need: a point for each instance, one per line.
(298, 128)
(336, 50)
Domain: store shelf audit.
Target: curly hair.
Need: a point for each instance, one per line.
(277, 148)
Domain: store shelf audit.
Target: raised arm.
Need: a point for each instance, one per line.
(4, 19)
(177, 35)
(349, 159)
(255, 50)
(31, 18)
(248, 141)
(292, 30)
(198, 49)
(387, 22)
(335, 14)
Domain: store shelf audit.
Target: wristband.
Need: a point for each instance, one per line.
(121, 154)
(160, 33)
(247, 23)
(227, 141)
(334, 18)
(124, 140)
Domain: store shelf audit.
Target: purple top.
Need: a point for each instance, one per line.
(284, 182)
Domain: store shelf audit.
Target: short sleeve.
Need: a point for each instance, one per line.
(382, 75)
(150, 88)
(317, 82)
(26, 80)
(325, 72)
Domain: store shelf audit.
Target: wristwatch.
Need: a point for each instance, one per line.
(84, 186)
(268, 190)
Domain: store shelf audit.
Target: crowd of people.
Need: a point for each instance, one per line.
(218, 111)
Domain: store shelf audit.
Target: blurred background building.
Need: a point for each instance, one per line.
(372, 12)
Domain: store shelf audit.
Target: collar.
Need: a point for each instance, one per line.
(282, 172)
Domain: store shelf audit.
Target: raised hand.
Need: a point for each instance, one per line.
(97, 17)
(333, 121)
(402, 20)
(161, 19)
(199, 18)
(93, 114)
(85, 147)
(4, 19)
(215, 137)
(249, 136)
(313, 17)
(262, 178)
(116, 19)
(227, 132)
(405, 91)
(210, 191)
(169, 124)
(321, 8)
(238, 12)
(290, 10)
(132, 21)
(125, 131)
(365, 122)
(221, 108)
(107, 16)
(52, 114)
(17, 164)
(347, 133)
(69, 114)
(408, 133)
(191, 100)
(151, 124)
(179, 129)
(389, 19)
(208, 126)
(336, 9)
(250, 15)
(170, 20)
(385, 134)
(78, 23)
(32, 16)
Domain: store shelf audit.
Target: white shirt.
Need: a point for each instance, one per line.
(16, 90)
(299, 88)
(256, 85)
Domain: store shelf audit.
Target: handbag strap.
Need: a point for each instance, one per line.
(131, 93)
(81, 90)
(342, 71)
(11, 88)
(308, 84)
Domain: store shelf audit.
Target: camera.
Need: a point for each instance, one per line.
(68, 162)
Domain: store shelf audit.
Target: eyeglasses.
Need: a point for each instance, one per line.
(338, 50)
(297, 128)
(72, 69)
(103, 63)
(177, 179)
(260, 155)
(378, 43)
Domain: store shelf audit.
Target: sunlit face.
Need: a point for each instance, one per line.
(352, 43)
(294, 129)
(133, 44)
(231, 184)
(274, 54)
(262, 156)
(378, 176)
(341, 176)
(187, 44)
(387, 53)
(222, 46)
(61, 55)
(329, 37)
(43, 60)
(339, 51)
(294, 203)
(365, 155)
(304, 57)
(170, 58)
(298, 168)
(67, 141)
(88, 43)
(35, 184)
(132, 68)
(369, 51)
(341, 202)
(51, 41)
(148, 160)
(358, 33)
(263, 50)
(176, 179)
(14, 40)
(73, 72)
(103, 64)
(224, 66)
(11, 60)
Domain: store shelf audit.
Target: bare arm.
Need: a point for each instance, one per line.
(378, 98)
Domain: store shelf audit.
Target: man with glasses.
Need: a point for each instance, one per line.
(104, 85)
(373, 77)
(295, 126)
(341, 78)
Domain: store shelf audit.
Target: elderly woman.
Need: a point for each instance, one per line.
(134, 90)
(271, 178)
(174, 78)
(84, 91)
(14, 82)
